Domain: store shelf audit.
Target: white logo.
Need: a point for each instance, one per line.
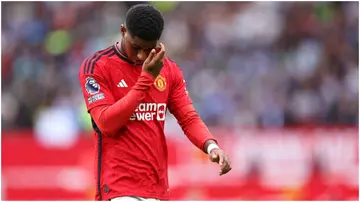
(122, 84)
(96, 97)
(149, 112)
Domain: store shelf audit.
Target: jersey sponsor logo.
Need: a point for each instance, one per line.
(91, 86)
(149, 112)
(160, 83)
(96, 97)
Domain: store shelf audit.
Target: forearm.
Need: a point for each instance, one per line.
(110, 119)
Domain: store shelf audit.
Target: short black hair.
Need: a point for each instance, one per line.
(145, 22)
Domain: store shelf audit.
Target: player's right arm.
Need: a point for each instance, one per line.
(110, 115)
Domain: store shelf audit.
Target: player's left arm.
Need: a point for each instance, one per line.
(180, 105)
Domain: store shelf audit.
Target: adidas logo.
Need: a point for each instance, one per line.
(122, 84)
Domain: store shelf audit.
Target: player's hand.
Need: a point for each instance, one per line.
(220, 157)
(155, 61)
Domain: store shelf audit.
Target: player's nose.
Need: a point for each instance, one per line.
(142, 55)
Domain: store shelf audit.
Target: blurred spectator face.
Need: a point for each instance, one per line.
(136, 48)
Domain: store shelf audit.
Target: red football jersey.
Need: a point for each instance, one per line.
(131, 158)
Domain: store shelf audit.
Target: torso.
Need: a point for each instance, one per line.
(139, 150)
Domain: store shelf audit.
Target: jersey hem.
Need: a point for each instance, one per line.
(143, 195)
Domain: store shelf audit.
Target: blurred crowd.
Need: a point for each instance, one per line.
(245, 63)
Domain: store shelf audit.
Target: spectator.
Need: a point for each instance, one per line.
(260, 63)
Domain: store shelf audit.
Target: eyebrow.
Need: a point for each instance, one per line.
(135, 46)
(138, 47)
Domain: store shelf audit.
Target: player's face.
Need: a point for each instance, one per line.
(137, 49)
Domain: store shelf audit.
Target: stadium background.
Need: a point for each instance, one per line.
(276, 82)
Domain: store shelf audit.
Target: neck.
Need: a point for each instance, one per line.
(121, 48)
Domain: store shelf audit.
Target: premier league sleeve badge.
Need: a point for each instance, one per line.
(91, 86)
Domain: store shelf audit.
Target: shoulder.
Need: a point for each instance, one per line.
(96, 61)
(172, 64)
(170, 61)
(174, 69)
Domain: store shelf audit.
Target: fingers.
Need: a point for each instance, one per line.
(224, 171)
(221, 160)
(157, 49)
(150, 56)
(161, 54)
(155, 61)
(214, 156)
(226, 166)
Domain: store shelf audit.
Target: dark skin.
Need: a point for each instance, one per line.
(152, 54)
(219, 156)
(136, 48)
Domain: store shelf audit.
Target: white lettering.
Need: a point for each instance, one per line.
(151, 107)
(96, 98)
(141, 107)
(148, 116)
(140, 116)
(149, 112)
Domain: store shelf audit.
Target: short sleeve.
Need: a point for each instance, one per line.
(94, 85)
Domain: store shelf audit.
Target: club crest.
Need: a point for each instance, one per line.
(160, 83)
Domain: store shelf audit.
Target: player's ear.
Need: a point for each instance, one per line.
(123, 30)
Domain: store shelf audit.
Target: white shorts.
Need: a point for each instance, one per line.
(133, 198)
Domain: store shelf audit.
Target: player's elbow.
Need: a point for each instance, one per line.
(106, 124)
(107, 129)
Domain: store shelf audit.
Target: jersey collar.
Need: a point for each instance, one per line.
(123, 56)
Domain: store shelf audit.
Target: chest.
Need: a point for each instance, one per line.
(124, 77)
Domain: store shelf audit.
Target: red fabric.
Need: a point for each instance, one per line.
(193, 127)
(99, 76)
(27, 160)
(180, 105)
(131, 115)
(110, 118)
